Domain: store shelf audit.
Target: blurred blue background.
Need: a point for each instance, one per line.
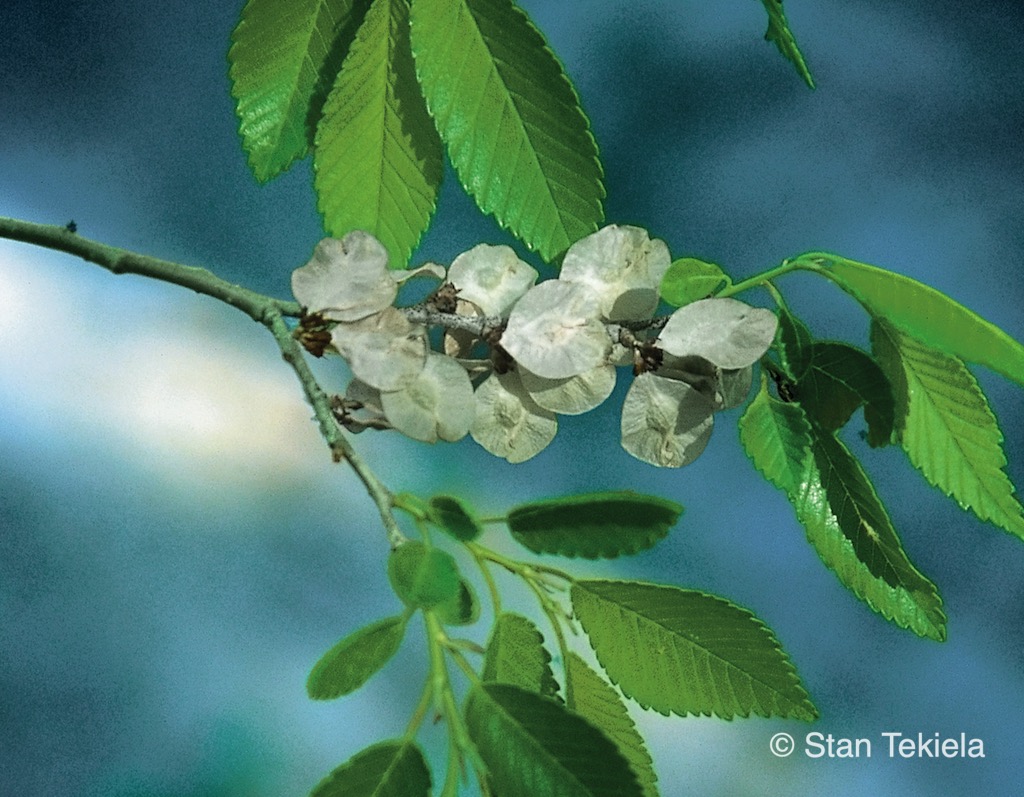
(176, 548)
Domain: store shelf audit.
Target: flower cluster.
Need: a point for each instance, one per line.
(515, 354)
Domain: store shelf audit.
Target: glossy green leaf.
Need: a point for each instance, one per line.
(284, 55)
(923, 313)
(386, 769)
(423, 577)
(353, 660)
(516, 655)
(839, 379)
(510, 118)
(534, 747)
(787, 450)
(461, 609)
(688, 280)
(378, 159)
(947, 427)
(607, 524)
(831, 380)
(596, 701)
(782, 36)
(793, 340)
(685, 652)
(454, 516)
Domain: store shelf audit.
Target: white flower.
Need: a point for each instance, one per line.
(726, 332)
(665, 422)
(554, 331)
(437, 404)
(508, 423)
(385, 350)
(346, 279)
(492, 277)
(622, 266)
(573, 395)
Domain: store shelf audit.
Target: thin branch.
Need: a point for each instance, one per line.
(121, 261)
(265, 310)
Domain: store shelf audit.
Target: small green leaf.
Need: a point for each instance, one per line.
(378, 158)
(386, 769)
(454, 516)
(685, 652)
(353, 660)
(510, 118)
(284, 55)
(688, 280)
(423, 577)
(462, 609)
(534, 747)
(516, 655)
(839, 379)
(779, 32)
(794, 342)
(782, 444)
(607, 524)
(923, 313)
(947, 427)
(596, 701)
(831, 380)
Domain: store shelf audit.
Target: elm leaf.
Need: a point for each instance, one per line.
(386, 769)
(923, 313)
(605, 524)
(454, 516)
(947, 428)
(685, 652)
(516, 134)
(785, 448)
(516, 655)
(689, 280)
(534, 747)
(378, 159)
(352, 661)
(782, 36)
(423, 577)
(284, 55)
(596, 700)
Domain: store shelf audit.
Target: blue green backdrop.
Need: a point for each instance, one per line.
(176, 549)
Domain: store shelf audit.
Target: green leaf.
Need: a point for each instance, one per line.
(353, 660)
(794, 342)
(839, 379)
(831, 380)
(461, 609)
(947, 428)
(596, 701)
(534, 747)
(923, 313)
(283, 57)
(783, 445)
(454, 516)
(423, 577)
(386, 769)
(378, 159)
(689, 279)
(607, 524)
(779, 32)
(516, 655)
(511, 120)
(685, 652)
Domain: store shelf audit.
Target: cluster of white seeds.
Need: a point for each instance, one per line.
(515, 354)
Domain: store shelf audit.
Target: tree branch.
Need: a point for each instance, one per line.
(121, 261)
(265, 310)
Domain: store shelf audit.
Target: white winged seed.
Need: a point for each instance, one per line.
(346, 279)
